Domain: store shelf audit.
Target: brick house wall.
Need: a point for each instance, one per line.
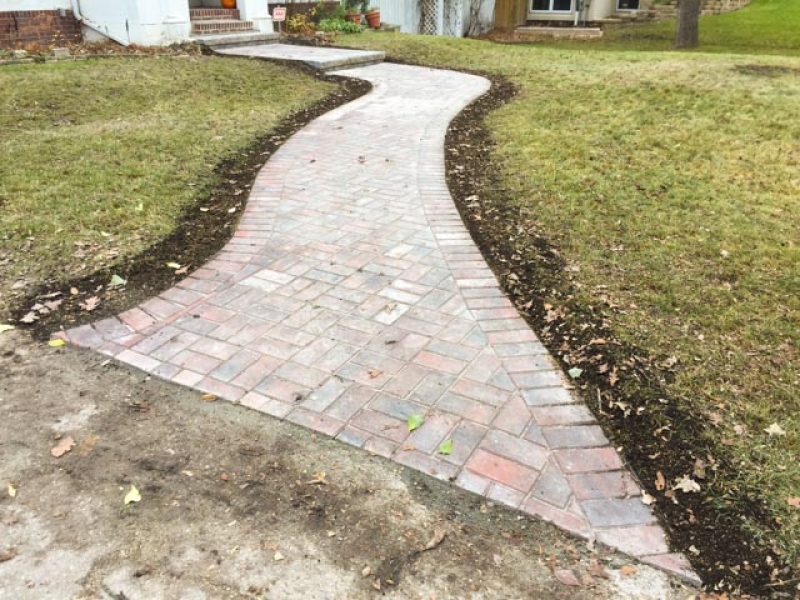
(20, 28)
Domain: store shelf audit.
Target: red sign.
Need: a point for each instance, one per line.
(279, 13)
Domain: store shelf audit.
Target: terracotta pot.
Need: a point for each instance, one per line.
(353, 18)
(228, 3)
(373, 18)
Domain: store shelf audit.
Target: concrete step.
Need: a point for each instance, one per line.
(220, 26)
(236, 39)
(203, 14)
(319, 57)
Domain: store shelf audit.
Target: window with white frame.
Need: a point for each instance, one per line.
(551, 5)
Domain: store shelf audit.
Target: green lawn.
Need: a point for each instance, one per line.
(108, 153)
(763, 27)
(670, 184)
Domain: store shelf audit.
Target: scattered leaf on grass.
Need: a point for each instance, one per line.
(133, 495)
(74, 291)
(660, 482)
(12, 491)
(415, 422)
(7, 555)
(686, 484)
(57, 343)
(567, 577)
(366, 571)
(699, 468)
(774, 429)
(5, 327)
(29, 317)
(446, 447)
(62, 447)
(794, 502)
(117, 281)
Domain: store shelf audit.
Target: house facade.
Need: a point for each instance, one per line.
(141, 22)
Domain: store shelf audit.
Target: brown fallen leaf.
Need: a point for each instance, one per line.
(208, 398)
(7, 555)
(319, 479)
(438, 538)
(373, 373)
(794, 501)
(597, 570)
(567, 577)
(62, 447)
(87, 445)
(90, 304)
(627, 570)
(661, 482)
(408, 447)
(699, 468)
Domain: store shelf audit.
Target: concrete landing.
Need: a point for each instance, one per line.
(318, 57)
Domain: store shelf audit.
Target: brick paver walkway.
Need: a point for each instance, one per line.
(352, 296)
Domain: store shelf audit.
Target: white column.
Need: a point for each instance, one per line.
(159, 22)
(256, 11)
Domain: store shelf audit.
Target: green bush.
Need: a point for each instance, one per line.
(339, 26)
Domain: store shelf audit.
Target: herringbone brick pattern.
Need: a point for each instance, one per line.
(352, 297)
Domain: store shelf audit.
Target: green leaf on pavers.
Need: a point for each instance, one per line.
(446, 447)
(133, 495)
(575, 372)
(117, 281)
(415, 422)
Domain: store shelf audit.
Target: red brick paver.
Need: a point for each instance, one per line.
(351, 296)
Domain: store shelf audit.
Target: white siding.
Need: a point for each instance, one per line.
(9, 5)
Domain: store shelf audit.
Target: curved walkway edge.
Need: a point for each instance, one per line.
(352, 296)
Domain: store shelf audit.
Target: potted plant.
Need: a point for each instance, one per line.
(352, 11)
(373, 16)
(228, 3)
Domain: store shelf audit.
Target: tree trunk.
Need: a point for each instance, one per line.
(687, 34)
